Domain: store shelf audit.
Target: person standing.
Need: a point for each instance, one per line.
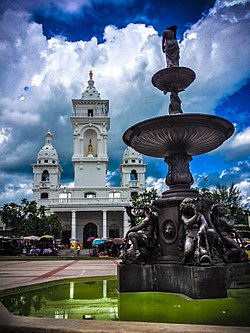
(78, 250)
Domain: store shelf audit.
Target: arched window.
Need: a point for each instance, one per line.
(44, 195)
(133, 175)
(89, 230)
(45, 176)
(133, 179)
(90, 143)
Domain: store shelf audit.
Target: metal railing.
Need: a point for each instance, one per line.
(88, 201)
(134, 183)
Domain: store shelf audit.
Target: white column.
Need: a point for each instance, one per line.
(73, 226)
(105, 139)
(125, 222)
(81, 148)
(104, 223)
(98, 148)
(75, 146)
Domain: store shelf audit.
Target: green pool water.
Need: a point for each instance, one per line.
(99, 300)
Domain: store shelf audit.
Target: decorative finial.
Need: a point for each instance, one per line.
(90, 75)
(90, 92)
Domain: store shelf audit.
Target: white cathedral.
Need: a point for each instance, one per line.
(89, 208)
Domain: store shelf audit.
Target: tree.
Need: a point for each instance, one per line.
(145, 198)
(11, 215)
(29, 219)
(52, 226)
(231, 198)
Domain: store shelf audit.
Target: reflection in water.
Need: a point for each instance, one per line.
(61, 314)
(71, 290)
(73, 300)
(99, 300)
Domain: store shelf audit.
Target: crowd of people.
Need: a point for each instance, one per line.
(28, 247)
(108, 249)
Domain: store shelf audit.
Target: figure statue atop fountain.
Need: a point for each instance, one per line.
(171, 49)
(175, 78)
(170, 46)
(142, 237)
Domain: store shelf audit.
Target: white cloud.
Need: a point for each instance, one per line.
(219, 54)
(224, 172)
(241, 139)
(158, 184)
(244, 187)
(16, 188)
(238, 146)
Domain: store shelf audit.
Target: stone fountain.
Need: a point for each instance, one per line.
(176, 138)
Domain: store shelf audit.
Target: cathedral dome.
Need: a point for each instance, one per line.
(47, 154)
(131, 156)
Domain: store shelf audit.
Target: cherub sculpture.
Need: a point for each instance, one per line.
(141, 237)
(230, 244)
(195, 227)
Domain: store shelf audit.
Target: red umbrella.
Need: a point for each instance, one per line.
(90, 239)
(118, 241)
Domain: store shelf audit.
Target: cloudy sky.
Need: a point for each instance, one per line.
(48, 47)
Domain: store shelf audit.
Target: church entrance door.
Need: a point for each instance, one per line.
(90, 230)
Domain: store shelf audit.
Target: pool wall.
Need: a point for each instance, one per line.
(194, 281)
(13, 324)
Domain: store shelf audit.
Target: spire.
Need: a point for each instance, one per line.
(91, 92)
(91, 75)
(48, 138)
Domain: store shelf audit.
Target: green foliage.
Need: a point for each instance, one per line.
(29, 219)
(11, 215)
(231, 198)
(144, 198)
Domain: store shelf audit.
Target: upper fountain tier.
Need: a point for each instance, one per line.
(178, 133)
(173, 79)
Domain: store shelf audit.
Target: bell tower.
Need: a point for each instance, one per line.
(132, 169)
(47, 171)
(90, 123)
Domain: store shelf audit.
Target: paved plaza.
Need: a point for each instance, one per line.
(23, 273)
(17, 273)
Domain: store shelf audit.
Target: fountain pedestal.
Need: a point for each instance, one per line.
(176, 138)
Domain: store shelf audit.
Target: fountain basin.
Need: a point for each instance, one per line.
(191, 134)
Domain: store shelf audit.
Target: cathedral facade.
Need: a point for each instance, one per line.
(89, 208)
